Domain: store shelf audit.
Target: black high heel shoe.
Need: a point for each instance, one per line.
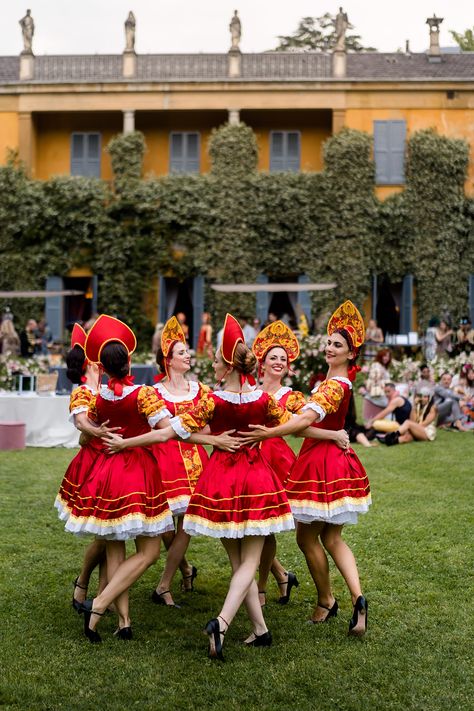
(189, 588)
(77, 606)
(332, 612)
(93, 636)
(157, 598)
(292, 582)
(124, 633)
(358, 623)
(214, 632)
(261, 640)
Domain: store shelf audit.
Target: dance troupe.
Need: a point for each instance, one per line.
(142, 472)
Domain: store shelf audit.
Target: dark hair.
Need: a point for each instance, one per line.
(114, 358)
(75, 360)
(160, 360)
(390, 385)
(244, 359)
(423, 366)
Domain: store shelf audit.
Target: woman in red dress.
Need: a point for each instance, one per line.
(238, 498)
(122, 498)
(80, 370)
(180, 463)
(327, 486)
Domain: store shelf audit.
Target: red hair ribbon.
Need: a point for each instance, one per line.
(118, 384)
(159, 378)
(249, 378)
(352, 372)
(83, 379)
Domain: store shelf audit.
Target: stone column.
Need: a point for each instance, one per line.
(339, 64)
(434, 52)
(234, 117)
(27, 66)
(26, 140)
(235, 63)
(129, 66)
(338, 120)
(128, 121)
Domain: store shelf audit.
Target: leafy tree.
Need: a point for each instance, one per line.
(465, 40)
(318, 33)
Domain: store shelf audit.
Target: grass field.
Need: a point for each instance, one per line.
(415, 555)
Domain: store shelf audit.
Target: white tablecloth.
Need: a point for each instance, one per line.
(45, 416)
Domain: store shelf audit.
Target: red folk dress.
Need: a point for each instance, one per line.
(326, 482)
(238, 493)
(80, 400)
(276, 451)
(180, 464)
(123, 497)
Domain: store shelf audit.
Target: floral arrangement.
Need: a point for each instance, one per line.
(10, 366)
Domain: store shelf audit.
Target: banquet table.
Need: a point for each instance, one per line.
(45, 416)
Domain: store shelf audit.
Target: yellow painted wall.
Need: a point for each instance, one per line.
(53, 140)
(8, 134)
(315, 128)
(454, 123)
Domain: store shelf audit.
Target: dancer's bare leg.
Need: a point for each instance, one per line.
(94, 554)
(174, 559)
(331, 537)
(115, 557)
(307, 537)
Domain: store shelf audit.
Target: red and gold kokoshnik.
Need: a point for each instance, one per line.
(347, 316)
(171, 334)
(276, 334)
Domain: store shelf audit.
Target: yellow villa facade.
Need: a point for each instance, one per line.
(60, 112)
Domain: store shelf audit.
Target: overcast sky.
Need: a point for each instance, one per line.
(96, 26)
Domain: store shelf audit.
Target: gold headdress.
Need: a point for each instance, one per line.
(348, 317)
(172, 333)
(276, 334)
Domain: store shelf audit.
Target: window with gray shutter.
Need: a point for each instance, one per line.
(85, 154)
(389, 152)
(184, 152)
(285, 150)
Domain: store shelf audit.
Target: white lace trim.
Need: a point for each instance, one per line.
(336, 377)
(239, 398)
(108, 394)
(197, 526)
(158, 416)
(166, 395)
(175, 423)
(316, 408)
(281, 392)
(76, 411)
(133, 526)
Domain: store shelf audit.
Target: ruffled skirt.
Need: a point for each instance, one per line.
(238, 495)
(180, 465)
(122, 498)
(279, 456)
(327, 484)
(77, 471)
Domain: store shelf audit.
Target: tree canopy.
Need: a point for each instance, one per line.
(465, 39)
(318, 33)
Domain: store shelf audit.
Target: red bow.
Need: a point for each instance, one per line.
(249, 378)
(118, 384)
(159, 378)
(352, 372)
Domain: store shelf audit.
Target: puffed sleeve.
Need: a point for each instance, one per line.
(79, 401)
(326, 399)
(276, 414)
(92, 413)
(151, 406)
(194, 420)
(295, 402)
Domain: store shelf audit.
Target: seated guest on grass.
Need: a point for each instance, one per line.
(398, 409)
(421, 425)
(448, 404)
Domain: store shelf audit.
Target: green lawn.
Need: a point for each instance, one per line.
(415, 555)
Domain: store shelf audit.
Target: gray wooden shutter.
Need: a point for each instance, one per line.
(471, 297)
(304, 298)
(277, 148)
(185, 152)
(176, 152)
(162, 313)
(54, 308)
(285, 150)
(192, 157)
(389, 152)
(406, 310)
(77, 153)
(85, 154)
(381, 152)
(95, 293)
(198, 306)
(263, 300)
(398, 131)
(293, 151)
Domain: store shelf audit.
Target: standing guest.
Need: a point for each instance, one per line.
(182, 322)
(399, 408)
(238, 498)
(425, 380)
(248, 331)
(420, 426)
(181, 464)
(430, 339)
(448, 403)
(444, 339)
(204, 344)
(373, 339)
(29, 341)
(328, 486)
(84, 375)
(156, 338)
(122, 498)
(45, 337)
(9, 338)
(465, 336)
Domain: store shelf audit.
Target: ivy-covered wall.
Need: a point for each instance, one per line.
(234, 223)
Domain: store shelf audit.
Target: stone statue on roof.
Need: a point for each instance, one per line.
(235, 30)
(28, 29)
(130, 24)
(341, 25)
